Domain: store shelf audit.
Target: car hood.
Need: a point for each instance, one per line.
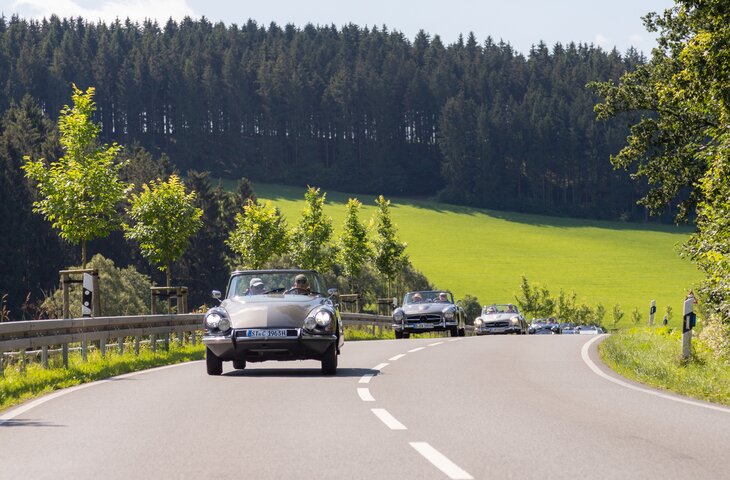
(498, 317)
(424, 308)
(279, 311)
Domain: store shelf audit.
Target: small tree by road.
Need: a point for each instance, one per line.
(354, 249)
(390, 256)
(163, 218)
(259, 235)
(80, 192)
(310, 244)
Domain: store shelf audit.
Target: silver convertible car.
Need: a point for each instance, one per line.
(500, 319)
(273, 315)
(428, 311)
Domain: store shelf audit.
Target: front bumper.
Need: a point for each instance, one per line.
(297, 345)
(412, 327)
(497, 330)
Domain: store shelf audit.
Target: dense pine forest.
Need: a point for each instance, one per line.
(353, 109)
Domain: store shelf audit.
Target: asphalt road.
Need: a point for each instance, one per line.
(475, 407)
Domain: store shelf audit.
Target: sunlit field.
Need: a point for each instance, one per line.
(484, 253)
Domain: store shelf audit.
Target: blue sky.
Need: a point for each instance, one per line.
(522, 23)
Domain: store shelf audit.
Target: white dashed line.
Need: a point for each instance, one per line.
(388, 419)
(366, 378)
(434, 344)
(416, 349)
(440, 461)
(365, 395)
(455, 339)
(393, 359)
(379, 367)
(598, 371)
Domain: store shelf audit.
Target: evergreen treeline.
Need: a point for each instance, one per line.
(353, 109)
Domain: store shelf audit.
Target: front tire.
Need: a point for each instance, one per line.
(239, 364)
(462, 332)
(398, 334)
(213, 364)
(454, 331)
(329, 361)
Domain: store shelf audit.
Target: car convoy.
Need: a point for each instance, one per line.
(289, 314)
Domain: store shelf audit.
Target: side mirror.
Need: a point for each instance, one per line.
(216, 294)
(395, 302)
(332, 292)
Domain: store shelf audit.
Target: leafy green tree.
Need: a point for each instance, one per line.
(310, 244)
(163, 219)
(81, 190)
(390, 256)
(681, 143)
(534, 301)
(617, 314)
(259, 235)
(472, 307)
(354, 249)
(636, 316)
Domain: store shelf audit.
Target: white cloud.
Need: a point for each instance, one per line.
(108, 11)
(603, 42)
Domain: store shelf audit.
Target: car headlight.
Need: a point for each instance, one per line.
(478, 322)
(515, 320)
(323, 318)
(449, 314)
(398, 315)
(310, 323)
(217, 319)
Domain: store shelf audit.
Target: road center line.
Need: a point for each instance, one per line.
(365, 395)
(400, 355)
(440, 461)
(434, 344)
(379, 367)
(366, 378)
(416, 349)
(601, 373)
(388, 419)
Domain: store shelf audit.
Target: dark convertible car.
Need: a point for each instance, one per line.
(429, 311)
(273, 315)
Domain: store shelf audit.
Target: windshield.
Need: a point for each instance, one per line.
(428, 296)
(495, 309)
(292, 282)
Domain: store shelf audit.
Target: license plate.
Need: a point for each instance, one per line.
(279, 332)
(422, 325)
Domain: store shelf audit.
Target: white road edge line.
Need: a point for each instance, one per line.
(455, 339)
(440, 461)
(379, 366)
(366, 378)
(47, 398)
(388, 419)
(601, 373)
(396, 357)
(416, 349)
(365, 395)
(434, 344)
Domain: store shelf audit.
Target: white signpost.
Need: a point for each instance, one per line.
(688, 321)
(652, 311)
(87, 295)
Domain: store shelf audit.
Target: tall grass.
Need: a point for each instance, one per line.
(653, 356)
(485, 253)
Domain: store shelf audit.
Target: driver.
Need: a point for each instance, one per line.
(255, 287)
(301, 283)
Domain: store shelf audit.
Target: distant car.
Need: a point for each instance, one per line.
(589, 330)
(567, 328)
(500, 319)
(273, 315)
(429, 311)
(545, 327)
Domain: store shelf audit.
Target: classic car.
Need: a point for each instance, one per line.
(429, 311)
(273, 315)
(500, 319)
(543, 326)
(589, 330)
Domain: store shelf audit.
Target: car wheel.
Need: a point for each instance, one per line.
(398, 334)
(329, 361)
(239, 364)
(213, 364)
(462, 332)
(406, 335)
(454, 331)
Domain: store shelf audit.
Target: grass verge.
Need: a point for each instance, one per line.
(653, 356)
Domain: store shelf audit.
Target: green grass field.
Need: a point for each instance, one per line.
(484, 253)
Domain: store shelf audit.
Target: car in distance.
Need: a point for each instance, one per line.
(429, 311)
(500, 319)
(545, 327)
(273, 315)
(589, 330)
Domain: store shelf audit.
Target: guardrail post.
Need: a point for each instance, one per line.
(136, 345)
(102, 347)
(64, 354)
(84, 350)
(167, 341)
(44, 356)
(194, 337)
(22, 360)
(153, 342)
(120, 345)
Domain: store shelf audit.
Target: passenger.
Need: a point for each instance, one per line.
(443, 298)
(511, 308)
(255, 287)
(417, 298)
(491, 310)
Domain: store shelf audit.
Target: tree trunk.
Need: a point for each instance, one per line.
(83, 253)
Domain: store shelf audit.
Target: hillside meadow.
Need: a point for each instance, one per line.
(484, 253)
